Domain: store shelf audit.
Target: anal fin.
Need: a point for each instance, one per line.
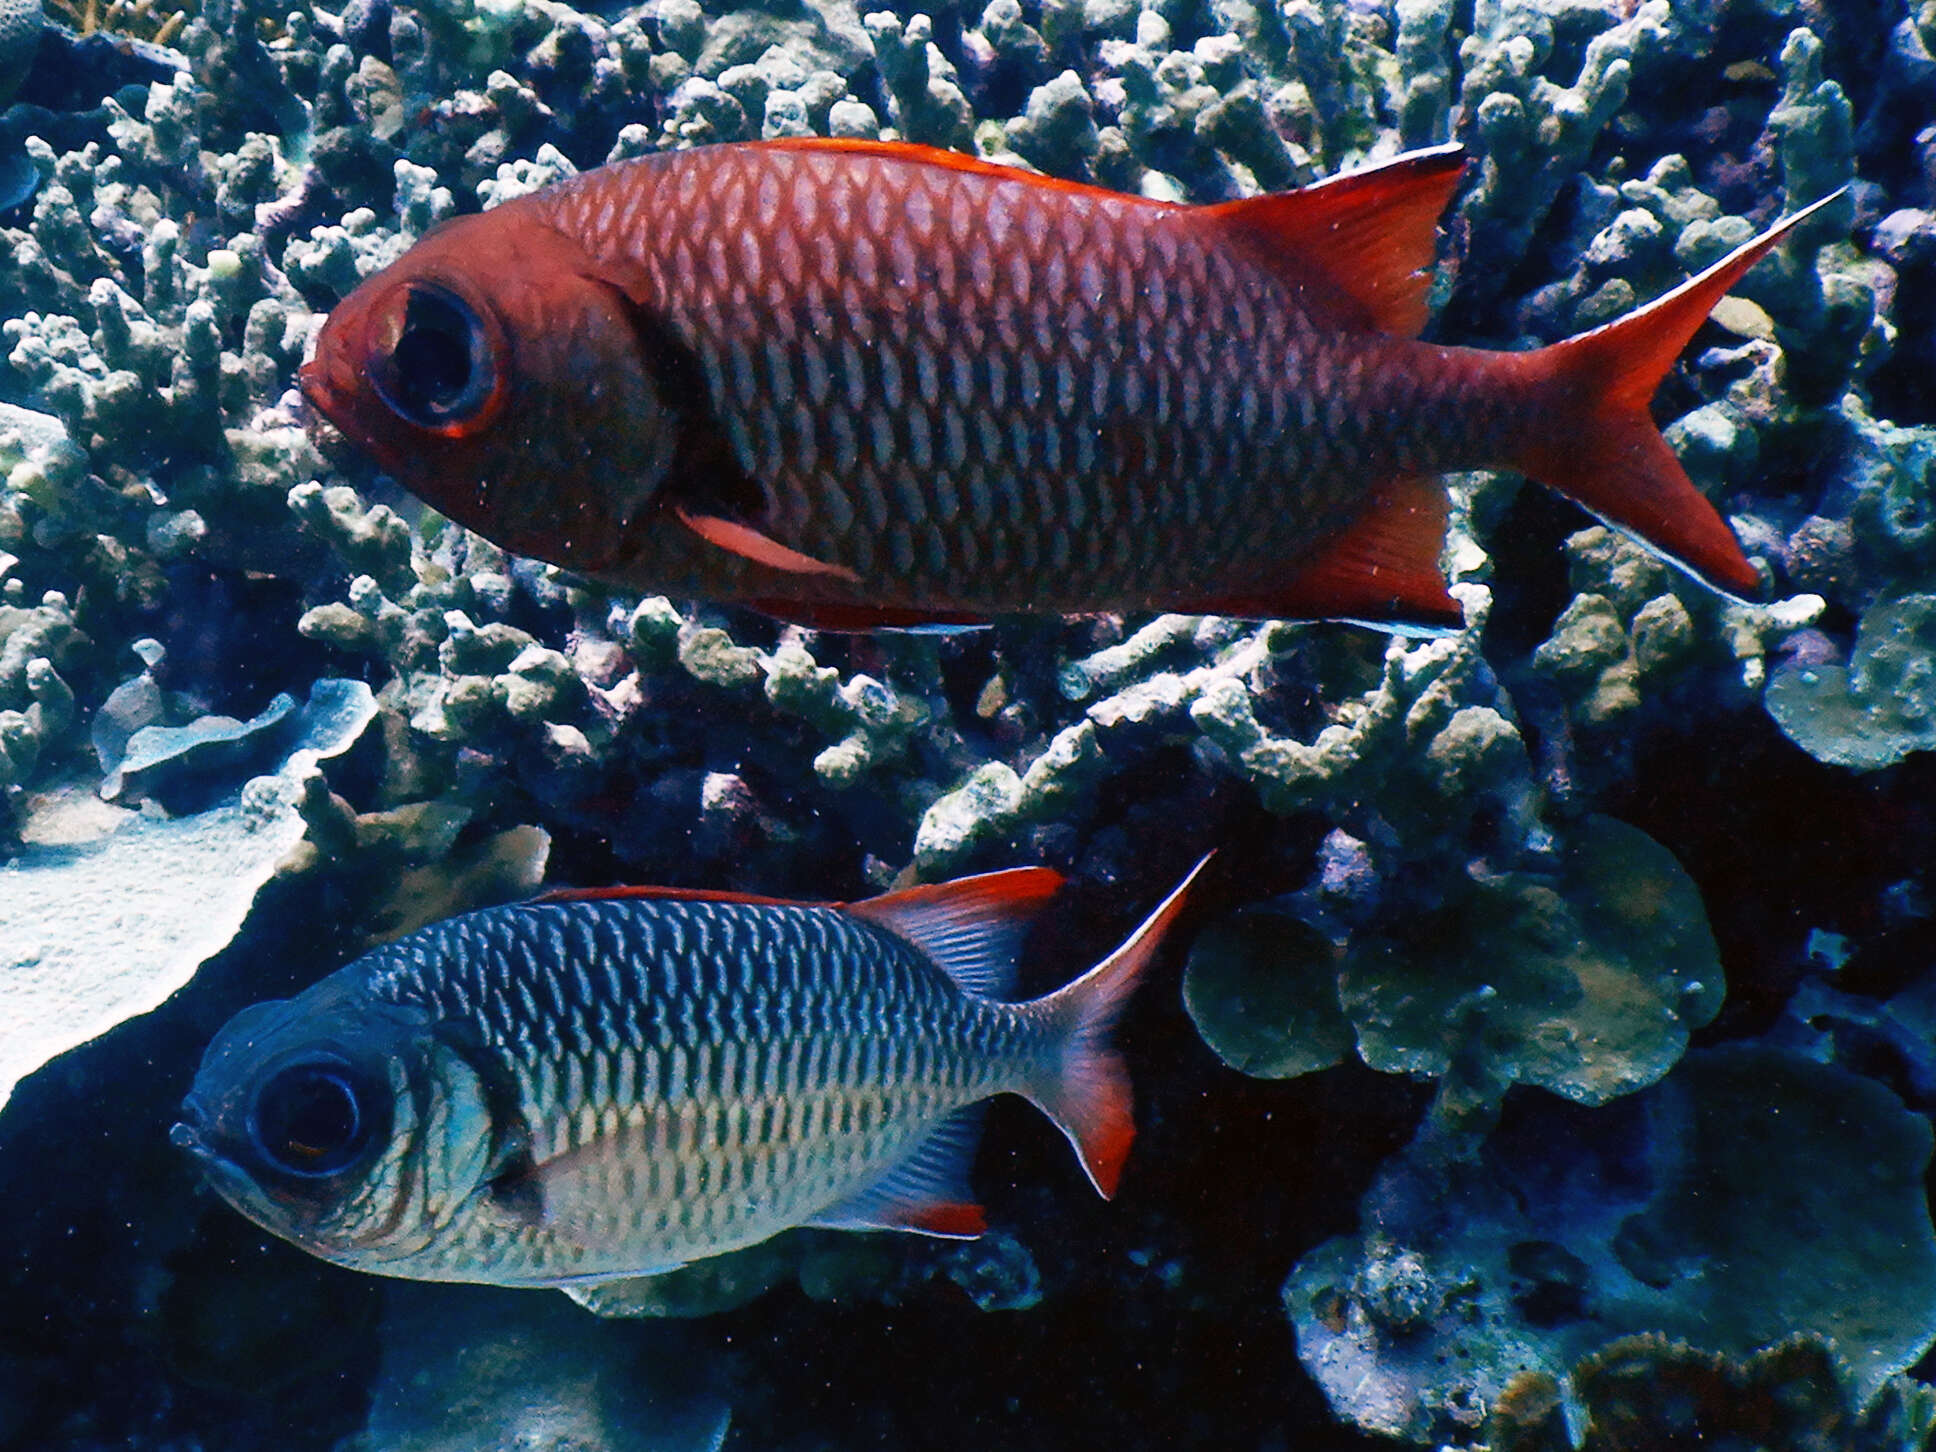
(619, 1297)
(1382, 570)
(926, 1190)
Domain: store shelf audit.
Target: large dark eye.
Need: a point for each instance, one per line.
(310, 1120)
(441, 372)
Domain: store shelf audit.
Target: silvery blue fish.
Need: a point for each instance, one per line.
(604, 1084)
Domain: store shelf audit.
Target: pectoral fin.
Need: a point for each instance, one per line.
(762, 549)
(581, 1195)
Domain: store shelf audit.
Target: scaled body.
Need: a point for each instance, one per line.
(861, 383)
(595, 1087)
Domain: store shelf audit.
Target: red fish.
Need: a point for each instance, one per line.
(866, 383)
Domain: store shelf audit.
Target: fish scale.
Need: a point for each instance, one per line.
(695, 996)
(865, 383)
(1066, 350)
(597, 1085)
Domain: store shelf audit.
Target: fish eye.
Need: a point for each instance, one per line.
(309, 1120)
(441, 372)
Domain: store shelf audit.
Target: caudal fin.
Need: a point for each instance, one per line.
(1596, 442)
(1084, 1087)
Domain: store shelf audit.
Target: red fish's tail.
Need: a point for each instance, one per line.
(1597, 444)
(1084, 1085)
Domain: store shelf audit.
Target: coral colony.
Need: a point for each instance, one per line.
(1575, 962)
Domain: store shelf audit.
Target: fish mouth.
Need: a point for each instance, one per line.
(190, 1131)
(333, 399)
(194, 1133)
(187, 1137)
(224, 1176)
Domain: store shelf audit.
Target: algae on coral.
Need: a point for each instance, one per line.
(1587, 983)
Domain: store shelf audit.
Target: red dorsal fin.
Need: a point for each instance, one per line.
(1383, 570)
(972, 927)
(669, 894)
(914, 154)
(1367, 238)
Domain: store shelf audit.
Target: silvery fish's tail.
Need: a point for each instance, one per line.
(1084, 1086)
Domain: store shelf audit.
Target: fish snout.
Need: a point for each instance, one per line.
(319, 391)
(309, 378)
(190, 1131)
(197, 1133)
(342, 417)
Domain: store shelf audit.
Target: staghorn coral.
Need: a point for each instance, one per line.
(1636, 629)
(156, 23)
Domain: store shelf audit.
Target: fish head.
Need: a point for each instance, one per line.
(344, 1125)
(508, 379)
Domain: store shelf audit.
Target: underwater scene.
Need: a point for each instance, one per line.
(1039, 724)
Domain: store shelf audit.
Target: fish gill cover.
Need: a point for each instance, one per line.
(1493, 886)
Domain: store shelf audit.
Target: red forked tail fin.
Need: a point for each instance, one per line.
(1084, 1087)
(1597, 444)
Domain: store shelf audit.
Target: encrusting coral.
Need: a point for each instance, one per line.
(1644, 1391)
(1739, 1161)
